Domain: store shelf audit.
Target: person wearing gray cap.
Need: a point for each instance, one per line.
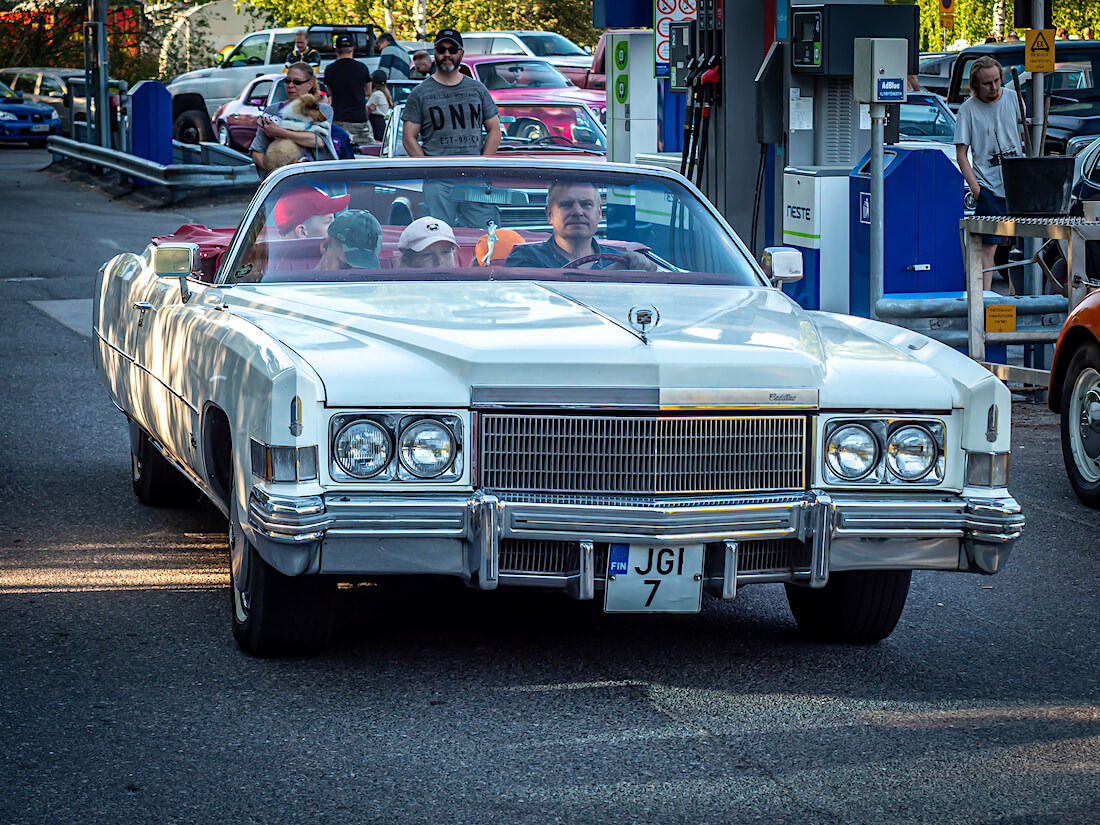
(353, 241)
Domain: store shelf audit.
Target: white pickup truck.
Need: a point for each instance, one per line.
(197, 95)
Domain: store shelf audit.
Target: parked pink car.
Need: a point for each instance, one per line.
(514, 78)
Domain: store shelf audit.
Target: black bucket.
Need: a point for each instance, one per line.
(1038, 186)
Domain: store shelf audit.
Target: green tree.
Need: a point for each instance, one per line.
(572, 18)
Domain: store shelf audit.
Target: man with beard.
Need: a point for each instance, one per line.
(449, 113)
(573, 211)
(986, 131)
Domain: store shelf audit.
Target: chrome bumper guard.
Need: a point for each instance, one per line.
(986, 527)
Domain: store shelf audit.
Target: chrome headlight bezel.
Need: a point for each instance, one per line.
(883, 429)
(395, 424)
(403, 444)
(386, 438)
(834, 437)
(893, 466)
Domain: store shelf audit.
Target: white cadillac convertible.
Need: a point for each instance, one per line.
(526, 373)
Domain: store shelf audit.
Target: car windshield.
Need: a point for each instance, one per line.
(415, 221)
(527, 125)
(520, 74)
(552, 124)
(6, 93)
(926, 118)
(552, 45)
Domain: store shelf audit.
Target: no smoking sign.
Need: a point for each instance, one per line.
(664, 13)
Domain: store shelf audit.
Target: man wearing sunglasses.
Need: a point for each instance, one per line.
(449, 113)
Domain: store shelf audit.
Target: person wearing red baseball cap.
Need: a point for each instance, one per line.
(306, 212)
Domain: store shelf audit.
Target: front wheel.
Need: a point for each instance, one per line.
(854, 607)
(156, 482)
(1080, 424)
(192, 127)
(274, 614)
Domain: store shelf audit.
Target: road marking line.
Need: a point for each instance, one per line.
(20, 280)
(75, 313)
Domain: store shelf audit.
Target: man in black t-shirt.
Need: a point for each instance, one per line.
(348, 83)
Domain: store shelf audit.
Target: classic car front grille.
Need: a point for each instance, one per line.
(561, 558)
(775, 556)
(642, 454)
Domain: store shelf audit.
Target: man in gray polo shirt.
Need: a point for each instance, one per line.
(449, 113)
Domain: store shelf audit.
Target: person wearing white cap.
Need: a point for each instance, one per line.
(427, 243)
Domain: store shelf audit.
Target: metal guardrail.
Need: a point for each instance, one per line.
(236, 170)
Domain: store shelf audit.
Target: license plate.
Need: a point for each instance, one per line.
(40, 127)
(643, 578)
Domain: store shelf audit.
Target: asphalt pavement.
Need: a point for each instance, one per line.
(123, 697)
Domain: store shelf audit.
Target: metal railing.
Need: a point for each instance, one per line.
(213, 165)
(1073, 232)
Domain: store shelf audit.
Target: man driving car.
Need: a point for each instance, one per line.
(573, 210)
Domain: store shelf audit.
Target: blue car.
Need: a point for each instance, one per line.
(31, 122)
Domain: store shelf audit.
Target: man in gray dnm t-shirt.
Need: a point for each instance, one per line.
(451, 114)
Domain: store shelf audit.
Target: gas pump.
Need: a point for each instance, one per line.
(631, 96)
(827, 132)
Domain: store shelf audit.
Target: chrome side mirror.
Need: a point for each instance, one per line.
(782, 264)
(178, 260)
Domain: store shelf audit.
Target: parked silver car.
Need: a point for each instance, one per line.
(63, 90)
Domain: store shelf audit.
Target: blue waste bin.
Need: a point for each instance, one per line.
(923, 196)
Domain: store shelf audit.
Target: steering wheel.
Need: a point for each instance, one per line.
(564, 141)
(600, 256)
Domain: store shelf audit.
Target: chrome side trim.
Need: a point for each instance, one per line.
(287, 518)
(994, 520)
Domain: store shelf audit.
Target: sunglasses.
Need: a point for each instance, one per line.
(447, 49)
(295, 82)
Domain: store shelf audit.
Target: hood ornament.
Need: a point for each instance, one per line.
(643, 318)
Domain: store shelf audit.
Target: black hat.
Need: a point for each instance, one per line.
(344, 41)
(360, 234)
(453, 35)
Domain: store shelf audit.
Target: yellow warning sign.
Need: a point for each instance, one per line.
(1039, 54)
(1000, 318)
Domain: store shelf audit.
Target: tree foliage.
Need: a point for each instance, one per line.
(51, 33)
(572, 18)
(974, 20)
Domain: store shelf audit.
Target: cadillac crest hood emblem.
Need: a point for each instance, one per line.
(644, 318)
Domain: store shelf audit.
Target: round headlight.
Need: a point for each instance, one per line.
(427, 448)
(852, 452)
(362, 449)
(911, 452)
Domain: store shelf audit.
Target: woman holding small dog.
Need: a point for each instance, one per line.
(299, 128)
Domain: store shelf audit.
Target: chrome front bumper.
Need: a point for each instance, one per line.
(358, 534)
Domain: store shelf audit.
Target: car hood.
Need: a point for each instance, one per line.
(195, 75)
(428, 343)
(583, 61)
(26, 109)
(542, 96)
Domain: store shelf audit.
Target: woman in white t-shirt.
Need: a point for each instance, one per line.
(379, 104)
